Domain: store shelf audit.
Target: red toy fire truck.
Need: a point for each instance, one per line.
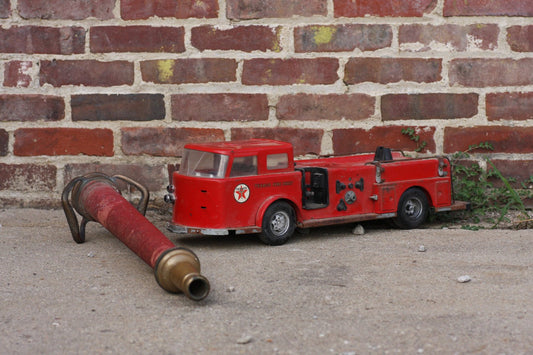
(256, 186)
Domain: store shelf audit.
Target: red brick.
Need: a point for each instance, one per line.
(450, 37)
(311, 107)
(520, 38)
(304, 141)
(220, 107)
(488, 8)
(503, 139)
(132, 107)
(86, 72)
(509, 106)
(338, 38)
(5, 8)
(16, 74)
(4, 142)
(27, 177)
(517, 171)
(479, 72)
(290, 71)
(383, 8)
(256, 9)
(31, 108)
(392, 70)
(181, 71)
(71, 10)
(42, 40)
(181, 9)
(428, 106)
(359, 140)
(240, 38)
(153, 177)
(165, 142)
(63, 141)
(105, 39)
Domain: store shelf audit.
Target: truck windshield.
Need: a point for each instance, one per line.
(204, 164)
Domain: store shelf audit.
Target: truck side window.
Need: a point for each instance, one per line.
(244, 166)
(277, 161)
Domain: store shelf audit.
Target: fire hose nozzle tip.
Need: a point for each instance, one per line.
(178, 270)
(197, 287)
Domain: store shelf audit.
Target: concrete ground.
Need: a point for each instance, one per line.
(328, 291)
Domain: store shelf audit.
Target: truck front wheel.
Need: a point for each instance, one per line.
(278, 224)
(413, 209)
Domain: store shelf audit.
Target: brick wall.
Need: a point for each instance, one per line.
(120, 85)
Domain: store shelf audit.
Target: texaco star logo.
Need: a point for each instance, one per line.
(241, 193)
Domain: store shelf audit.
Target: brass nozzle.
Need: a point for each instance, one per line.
(178, 270)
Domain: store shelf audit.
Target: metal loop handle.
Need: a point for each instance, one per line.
(145, 194)
(69, 211)
(71, 205)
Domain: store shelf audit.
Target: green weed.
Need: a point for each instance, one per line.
(490, 203)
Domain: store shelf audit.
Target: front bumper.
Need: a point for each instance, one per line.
(179, 229)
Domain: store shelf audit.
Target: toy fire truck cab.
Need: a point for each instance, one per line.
(255, 186)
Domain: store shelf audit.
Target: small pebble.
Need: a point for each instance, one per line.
(245, 339)
(90, 254)
(230, 289)
(358, 230)
(422, 249)
(463, 279)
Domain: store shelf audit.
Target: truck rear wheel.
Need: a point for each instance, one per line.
(278, 224)
(413, 209)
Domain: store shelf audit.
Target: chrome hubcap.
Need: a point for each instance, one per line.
(413, 208)
(280, 222)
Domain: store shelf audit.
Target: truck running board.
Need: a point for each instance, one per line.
(456, 206)
(345, 219)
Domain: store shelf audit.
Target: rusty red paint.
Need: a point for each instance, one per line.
(109, 208)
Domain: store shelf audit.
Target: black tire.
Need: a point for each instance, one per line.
(278, 224)
(413, 209)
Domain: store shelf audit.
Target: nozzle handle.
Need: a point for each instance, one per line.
(70, 200)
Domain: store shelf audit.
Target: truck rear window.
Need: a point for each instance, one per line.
(203, 164)
(277, 161)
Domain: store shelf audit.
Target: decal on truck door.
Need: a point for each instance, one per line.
(241, 193)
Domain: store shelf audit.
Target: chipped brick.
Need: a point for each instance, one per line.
(106, 39)
(63, 141)
(314, 107)
(338, 38)
(166, 142)
(392, 70)
(428, 106)
(220, 107)
(182, 71)
(31, 108)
